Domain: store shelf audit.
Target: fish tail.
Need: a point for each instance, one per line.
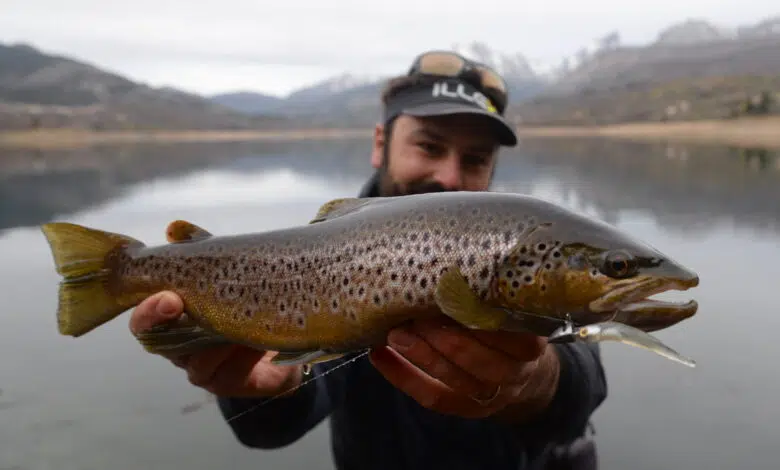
(86, 258)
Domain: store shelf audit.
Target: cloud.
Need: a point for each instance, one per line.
(210, 46)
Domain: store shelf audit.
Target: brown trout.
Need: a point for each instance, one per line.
(365, 265)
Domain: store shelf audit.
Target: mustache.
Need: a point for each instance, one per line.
(422, 187)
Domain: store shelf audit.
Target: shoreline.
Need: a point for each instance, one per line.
(743, 132)
(75, 138)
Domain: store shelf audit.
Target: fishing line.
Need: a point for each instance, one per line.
(255, 407)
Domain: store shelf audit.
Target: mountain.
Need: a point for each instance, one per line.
(704, 70)
(248, 102)
(45, 90)
(354, 100)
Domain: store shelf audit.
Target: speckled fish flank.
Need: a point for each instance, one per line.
(363, 266)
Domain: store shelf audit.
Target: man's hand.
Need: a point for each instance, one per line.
(474, 374)
(235, 371)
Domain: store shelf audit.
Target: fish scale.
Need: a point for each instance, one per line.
(359, 268)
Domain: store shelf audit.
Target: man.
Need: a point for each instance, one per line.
(438, 395)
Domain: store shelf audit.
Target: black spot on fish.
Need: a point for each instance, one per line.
(484, 273)
(423, 283)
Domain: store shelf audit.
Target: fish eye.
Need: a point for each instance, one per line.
(619, 263)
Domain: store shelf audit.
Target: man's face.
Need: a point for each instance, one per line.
(442, 153)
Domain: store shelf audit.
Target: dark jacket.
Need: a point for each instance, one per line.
(376, 426)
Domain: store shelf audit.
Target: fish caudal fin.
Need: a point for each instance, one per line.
(82, 256)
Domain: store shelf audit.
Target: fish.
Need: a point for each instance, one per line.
(361, 266)
(622, 333)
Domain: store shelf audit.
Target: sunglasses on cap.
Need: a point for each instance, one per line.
(451, 64)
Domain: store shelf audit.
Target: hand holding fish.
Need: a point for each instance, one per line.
(454, 370)
(231, 370)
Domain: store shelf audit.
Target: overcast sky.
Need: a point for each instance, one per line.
(273, 46)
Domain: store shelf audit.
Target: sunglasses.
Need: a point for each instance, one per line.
(451, 64)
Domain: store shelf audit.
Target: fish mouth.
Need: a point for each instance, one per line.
(630, 303)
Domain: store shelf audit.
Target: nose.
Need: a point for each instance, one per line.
(448, 172)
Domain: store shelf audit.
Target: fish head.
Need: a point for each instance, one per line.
(591, 271)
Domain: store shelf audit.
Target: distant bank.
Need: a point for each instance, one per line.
(73, 138)
(762, 132)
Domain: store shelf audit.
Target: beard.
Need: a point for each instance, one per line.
(388, 187)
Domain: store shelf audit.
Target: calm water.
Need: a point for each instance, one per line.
(100, 402)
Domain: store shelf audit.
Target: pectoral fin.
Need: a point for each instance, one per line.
(458, 301)
(179, 338)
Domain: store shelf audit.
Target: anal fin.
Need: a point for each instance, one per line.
(305, 357)
(458, 301)
(179, 338)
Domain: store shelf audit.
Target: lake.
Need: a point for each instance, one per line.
(101, 402)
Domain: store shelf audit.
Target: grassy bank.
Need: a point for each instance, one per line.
(762, 132)
(70, 138)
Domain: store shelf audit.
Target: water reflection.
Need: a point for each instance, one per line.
(37, 186)
(686, 189)
(100, 401)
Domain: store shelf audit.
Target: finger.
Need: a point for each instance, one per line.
(244, 373)
(424, 389)
(463, 349)
(201, 367)
(518, 345)
(158, 308)
(421, 354)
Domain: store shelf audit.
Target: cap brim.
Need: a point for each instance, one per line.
(506, 135)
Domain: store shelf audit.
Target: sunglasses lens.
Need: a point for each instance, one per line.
(491, 80)
(440, 63)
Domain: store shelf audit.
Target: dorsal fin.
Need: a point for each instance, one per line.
(182, 231)
(338, 207)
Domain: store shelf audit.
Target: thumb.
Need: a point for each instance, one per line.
(158, 308)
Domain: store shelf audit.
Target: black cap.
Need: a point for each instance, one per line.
(449, 96)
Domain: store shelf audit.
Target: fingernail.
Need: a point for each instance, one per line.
(167, 306)
(400, 339)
